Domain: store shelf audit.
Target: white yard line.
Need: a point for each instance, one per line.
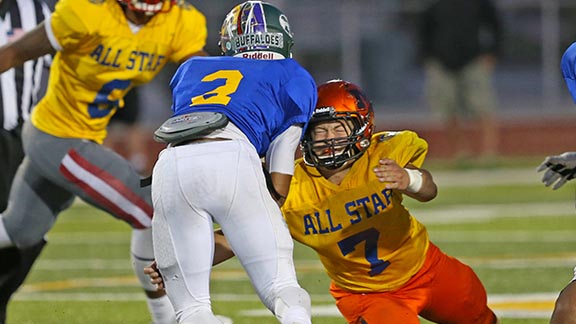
(486, 212)
(486, 177)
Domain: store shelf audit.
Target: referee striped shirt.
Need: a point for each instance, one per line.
(20, 87)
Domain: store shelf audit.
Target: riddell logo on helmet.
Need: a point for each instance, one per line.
(324, 110)
(259, 55)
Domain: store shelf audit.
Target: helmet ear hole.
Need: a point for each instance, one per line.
(364, 143)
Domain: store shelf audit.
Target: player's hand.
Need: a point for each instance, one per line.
(559, 169)
(155, 276)
(394, 175)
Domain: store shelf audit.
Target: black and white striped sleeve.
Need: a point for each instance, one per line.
(21, 87)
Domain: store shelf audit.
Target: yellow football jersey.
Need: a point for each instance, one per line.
(100, 59)
(366, 239)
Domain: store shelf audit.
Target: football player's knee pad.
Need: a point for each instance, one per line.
(292, 300)
(138, 265)
(141, 243)
(163, 243)
(26, 224)
(142, 254)
(21, 233)
(166, 256)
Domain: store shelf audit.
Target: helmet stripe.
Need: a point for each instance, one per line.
(258, 22)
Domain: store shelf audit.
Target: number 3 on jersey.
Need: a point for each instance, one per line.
(219, 95)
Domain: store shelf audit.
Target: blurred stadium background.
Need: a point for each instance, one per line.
(373, 43)
(517, 234)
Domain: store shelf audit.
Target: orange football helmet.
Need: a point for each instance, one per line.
(343, 102)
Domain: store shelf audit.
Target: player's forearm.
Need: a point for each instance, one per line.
(8, 58)
(222, 249)
(281, 184)
(30, 46)
(429, 189)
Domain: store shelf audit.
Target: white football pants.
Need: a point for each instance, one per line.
(197, 184)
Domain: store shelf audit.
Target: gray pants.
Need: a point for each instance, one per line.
(11, 155)
(55, 170)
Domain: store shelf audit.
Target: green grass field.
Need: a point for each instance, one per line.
(516, 234)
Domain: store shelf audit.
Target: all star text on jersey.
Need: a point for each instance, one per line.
(140, 60)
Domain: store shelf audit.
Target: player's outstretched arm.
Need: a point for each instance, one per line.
(31, 45)
(558, 169)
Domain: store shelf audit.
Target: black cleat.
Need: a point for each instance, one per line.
(16, 265)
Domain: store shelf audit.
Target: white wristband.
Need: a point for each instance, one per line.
(416, 180)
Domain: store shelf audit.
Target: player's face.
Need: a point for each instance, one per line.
(331, 137)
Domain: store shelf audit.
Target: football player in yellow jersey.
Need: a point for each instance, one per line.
(103, 49)
(345, 202)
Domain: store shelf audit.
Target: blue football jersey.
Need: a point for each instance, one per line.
(568, 65)
(262, 98)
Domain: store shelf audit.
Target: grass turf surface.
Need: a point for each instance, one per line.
(518, 237)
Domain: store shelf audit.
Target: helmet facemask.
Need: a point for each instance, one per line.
(346, 112)
(332, 153)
